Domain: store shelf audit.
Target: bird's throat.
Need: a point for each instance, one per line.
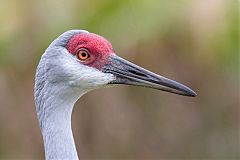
(57, 133)
(54, 107)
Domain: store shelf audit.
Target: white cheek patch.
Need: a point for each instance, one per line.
(66, 69)
(86, 77)
(91, 77)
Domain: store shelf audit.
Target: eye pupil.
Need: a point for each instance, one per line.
(84, 54)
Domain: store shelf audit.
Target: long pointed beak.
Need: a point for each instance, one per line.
(131, 74)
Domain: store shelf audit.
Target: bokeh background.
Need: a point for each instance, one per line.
(192, 41)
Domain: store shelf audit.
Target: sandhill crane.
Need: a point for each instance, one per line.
(73, 64)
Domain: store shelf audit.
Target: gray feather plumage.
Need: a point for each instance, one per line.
(59, 82)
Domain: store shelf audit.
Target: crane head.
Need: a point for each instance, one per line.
(84, 60)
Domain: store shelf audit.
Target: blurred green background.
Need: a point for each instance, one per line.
(192, 41)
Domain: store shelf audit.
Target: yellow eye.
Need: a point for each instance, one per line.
(82, 54)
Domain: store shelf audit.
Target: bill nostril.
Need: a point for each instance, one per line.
(137, 73)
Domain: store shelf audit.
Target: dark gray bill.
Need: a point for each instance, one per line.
(131, 74)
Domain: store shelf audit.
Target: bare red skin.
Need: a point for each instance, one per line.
(99, 48)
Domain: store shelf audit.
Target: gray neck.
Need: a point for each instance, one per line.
(57, 132)
(54, 108)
